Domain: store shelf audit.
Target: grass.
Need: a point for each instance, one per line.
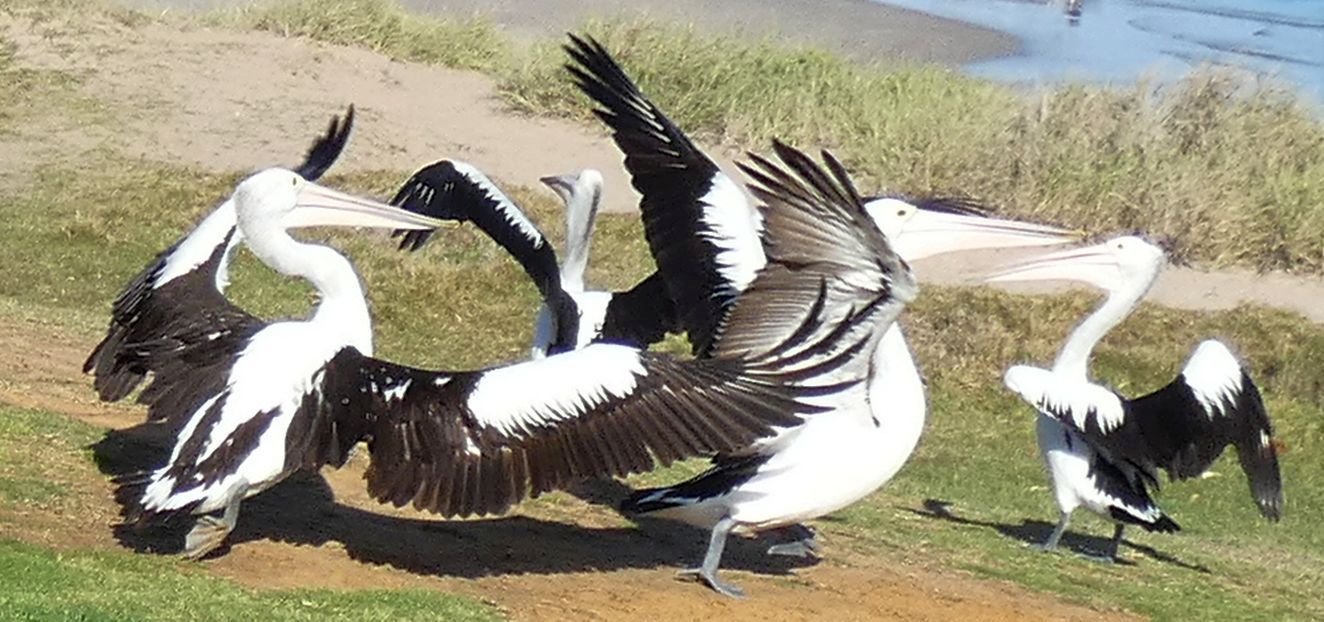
(379, 25)
(46, 469)
(41, 584)
(73, 237)
(1230, 173)
(978, 451)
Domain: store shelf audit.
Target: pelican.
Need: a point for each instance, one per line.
(300, 394)
(704, 235)
(186, 279)
(570, 316)
(1103, 451)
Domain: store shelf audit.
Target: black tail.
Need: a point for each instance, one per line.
(647, 500)
(1162, 525)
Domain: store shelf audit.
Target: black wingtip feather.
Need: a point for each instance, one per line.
(327, 148)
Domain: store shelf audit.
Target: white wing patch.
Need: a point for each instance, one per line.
(1068, 399)
(512, 214)
(200, 244)
(556, 388)
(733, 227)
(397, 392)
(1214, 376)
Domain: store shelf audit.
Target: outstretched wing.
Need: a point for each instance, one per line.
(183, 287)
(1185, 426)
(1182, 428)
(701, 229)
(477, 442)
(823, 251)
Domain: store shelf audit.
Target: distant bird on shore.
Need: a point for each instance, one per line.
(1103, 451)
(704, 235)
(185, 281)
(301, 394)
(571, 316)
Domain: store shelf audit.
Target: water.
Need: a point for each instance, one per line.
(1119, 41)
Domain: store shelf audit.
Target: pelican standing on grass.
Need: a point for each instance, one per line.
(300, 394)
(571, 316)
(704, 235)
(1103, 451)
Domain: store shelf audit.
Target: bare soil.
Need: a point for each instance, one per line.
(225, 101)
(560, 558)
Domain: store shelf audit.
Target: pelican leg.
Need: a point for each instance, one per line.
(805, 543)
(1051, 542)
(707, 573)
(1110, 555)
(210, 530)
(1117, 540)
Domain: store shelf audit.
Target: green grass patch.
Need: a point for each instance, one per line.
(109, 585)
(979, 454)
(36, 450)
(379, 25)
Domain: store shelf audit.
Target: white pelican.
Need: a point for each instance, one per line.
(187, 278)
(300, 394)
(1103, 451)
(704, 235)
(570, 317)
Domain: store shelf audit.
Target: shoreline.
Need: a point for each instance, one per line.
(862, 30)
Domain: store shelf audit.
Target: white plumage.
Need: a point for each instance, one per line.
(1103, 451)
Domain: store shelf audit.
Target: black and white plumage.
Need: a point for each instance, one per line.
(183, 287)
(300, 394)
(571, 316)
(217, 375)
(703, 233)
(697, 220)
(1104, 451)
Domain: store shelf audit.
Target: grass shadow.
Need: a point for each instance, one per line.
(1034, 532)
(303, 510)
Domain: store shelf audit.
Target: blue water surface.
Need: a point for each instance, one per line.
(1120, 41)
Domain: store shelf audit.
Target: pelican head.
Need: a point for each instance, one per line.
(279, 198)
(582, 194)
(570, 186)
(937, 226)
(1116, 265)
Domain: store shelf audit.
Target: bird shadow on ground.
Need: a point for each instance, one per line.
(1034, 532)
(302, 510)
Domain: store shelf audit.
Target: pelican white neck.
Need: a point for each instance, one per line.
(270, 202)
(582, 194)
(1125, 267)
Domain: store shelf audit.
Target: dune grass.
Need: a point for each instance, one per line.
(379, 25)
(977, 455)
(1233, 173)
(1230, 173)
